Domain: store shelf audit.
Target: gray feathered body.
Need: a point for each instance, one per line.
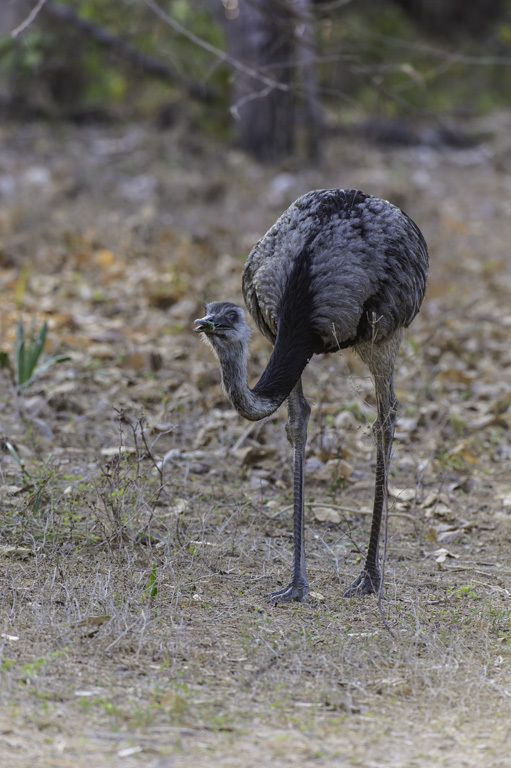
(357, 264)
(338, 269)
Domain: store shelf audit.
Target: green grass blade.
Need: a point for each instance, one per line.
(14, 453)
(20, 355)
(52, 361)
(20, 288)
(35, 348)
(28, 353)
(151, 585)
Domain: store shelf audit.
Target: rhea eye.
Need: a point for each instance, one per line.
(232, 316)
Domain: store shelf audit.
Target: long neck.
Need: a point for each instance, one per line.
(293, 348)
(282, 373)
(233, 363)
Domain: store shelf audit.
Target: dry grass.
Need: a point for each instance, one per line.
(134, 629)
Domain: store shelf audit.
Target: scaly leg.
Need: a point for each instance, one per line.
(380, 359)
(296, 428)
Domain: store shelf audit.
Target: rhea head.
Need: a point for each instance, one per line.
(224, 325)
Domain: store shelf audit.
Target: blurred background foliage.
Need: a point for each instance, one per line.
(117, 59)
(94, 62)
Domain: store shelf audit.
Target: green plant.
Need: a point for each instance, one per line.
(29, 476)
(151, 585)
(38, 484)
(125, 510)
(27, 355)
(466, 590)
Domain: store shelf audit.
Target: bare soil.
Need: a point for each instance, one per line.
(143, 522)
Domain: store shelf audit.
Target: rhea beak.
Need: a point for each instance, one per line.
(204, 325)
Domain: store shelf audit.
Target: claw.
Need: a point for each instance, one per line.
(365, 584)
(293, 592)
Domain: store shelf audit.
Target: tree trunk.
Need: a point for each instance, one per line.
(305, 53)
(260, 35)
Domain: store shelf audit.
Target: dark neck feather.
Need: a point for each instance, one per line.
(289, 357)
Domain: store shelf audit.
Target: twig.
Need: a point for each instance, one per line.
(340, 508)
(123, 634)
(459, 568)
(241, 439)
(235, 63)
(28, 21)
(492, 586)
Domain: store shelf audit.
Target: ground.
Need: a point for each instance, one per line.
(143, 522)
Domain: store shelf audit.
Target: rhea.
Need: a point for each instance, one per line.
(338, 269)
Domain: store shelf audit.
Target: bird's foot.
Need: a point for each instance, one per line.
(366, 584)
(296, 591)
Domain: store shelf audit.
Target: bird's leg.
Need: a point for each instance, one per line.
(380, 360)
(296, 428)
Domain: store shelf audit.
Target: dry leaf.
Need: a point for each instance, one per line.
(179, 506)
(12, 490)
(440, 509)
(443, 532)
(145, 360)
(91, 625)
(441, 556)
(405, 424)
(462, 449)
(186, 393)
(327, 514)
(128, 751)
(93, 621)
(455, 376)
(430, 498)
(104, 258)
(117, 450)
(251, 455)
(18, 553)
(329, 445)
(403, 494)
(334, 469)
(489, 420)
(505, 498)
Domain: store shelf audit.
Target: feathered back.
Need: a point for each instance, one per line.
(334, 263)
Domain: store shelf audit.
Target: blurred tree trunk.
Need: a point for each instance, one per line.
(261, 36)
(272, 37)
(312, 117)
